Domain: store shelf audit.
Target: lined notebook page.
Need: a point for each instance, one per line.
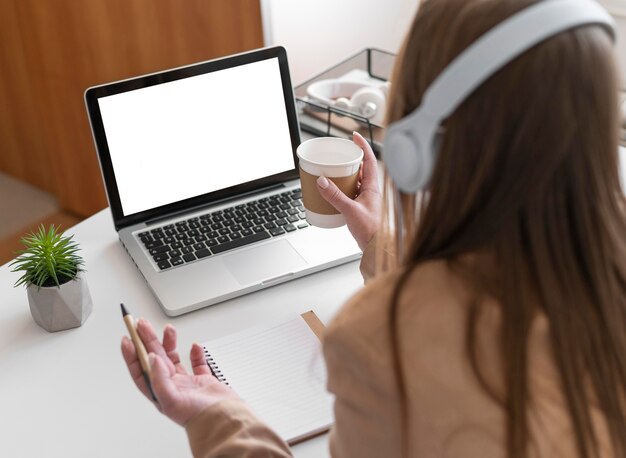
(279, 370)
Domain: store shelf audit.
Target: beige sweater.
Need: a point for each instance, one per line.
(450, 415)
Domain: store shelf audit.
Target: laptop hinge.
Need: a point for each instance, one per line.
(160, 219)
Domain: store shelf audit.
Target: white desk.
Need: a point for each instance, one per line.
(68, 394)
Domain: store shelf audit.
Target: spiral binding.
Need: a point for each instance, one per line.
(215, 370)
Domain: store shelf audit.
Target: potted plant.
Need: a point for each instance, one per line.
(53, 275)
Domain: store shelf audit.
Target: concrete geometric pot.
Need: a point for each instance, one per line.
(57, 308)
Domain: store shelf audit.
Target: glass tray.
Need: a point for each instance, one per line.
(369, 65)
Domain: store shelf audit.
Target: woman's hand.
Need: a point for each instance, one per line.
(363, 213)
(180, 395)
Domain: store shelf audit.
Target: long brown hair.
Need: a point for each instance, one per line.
(526, 181)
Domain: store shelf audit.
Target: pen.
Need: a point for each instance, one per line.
(142, 354)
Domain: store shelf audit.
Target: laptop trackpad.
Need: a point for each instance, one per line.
(264, 263)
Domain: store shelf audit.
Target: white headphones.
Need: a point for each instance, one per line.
(411, 144)
(363, 99)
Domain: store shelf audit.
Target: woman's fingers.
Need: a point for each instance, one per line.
(151, 341)
(169, 345)
(162, 384)
(134, 367)
(198, 360)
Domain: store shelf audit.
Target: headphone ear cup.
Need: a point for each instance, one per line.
(343, 103)
(369, 102)
(409, 164)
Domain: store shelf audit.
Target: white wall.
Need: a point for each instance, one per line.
(618, 9)
(621, 46)
(321, 33)
(614, 6)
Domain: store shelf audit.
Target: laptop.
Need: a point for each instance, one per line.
(200, 172)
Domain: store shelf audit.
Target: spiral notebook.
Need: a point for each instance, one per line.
(278, 369)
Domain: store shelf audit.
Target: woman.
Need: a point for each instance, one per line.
(502, 329)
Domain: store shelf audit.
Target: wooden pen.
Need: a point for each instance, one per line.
(142, 354)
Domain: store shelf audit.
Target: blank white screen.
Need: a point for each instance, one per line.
(185, 138)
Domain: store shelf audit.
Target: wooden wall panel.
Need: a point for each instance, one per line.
(22, 151)
(69, 45)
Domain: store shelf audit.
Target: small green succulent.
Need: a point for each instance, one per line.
(49, 258)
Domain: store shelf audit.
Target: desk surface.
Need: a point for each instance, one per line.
(68, 394)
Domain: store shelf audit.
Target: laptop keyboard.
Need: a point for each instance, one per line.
(222, 230)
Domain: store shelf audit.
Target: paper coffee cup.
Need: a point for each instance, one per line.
(337, 159)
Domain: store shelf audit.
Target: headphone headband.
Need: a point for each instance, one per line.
(468, 71)
(327, 90)
(504, 43)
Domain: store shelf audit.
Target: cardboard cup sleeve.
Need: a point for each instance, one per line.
(312, 199)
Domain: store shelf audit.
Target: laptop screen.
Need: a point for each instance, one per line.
(185, 138)
(180, 139)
